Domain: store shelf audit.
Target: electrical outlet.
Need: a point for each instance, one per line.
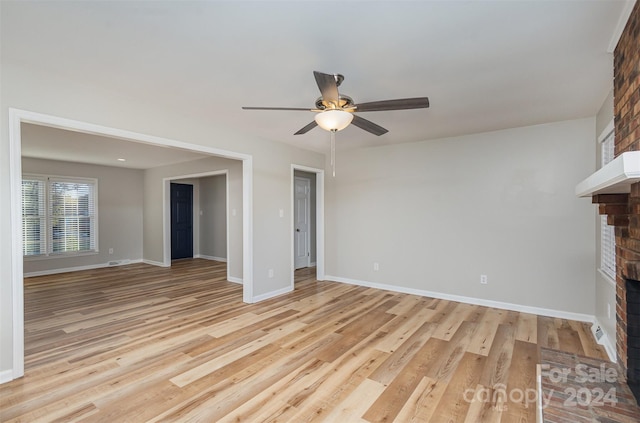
(110, 250)
(270, 273)
(483, 279)
(376, 266)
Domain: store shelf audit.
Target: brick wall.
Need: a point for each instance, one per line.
(623, 210)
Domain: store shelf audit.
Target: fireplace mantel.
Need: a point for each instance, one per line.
(616, 177)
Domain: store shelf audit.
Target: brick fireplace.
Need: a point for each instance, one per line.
(623, 210)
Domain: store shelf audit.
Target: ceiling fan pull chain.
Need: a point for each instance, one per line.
(333, 152)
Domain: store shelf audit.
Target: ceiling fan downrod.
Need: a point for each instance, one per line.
(333, 152)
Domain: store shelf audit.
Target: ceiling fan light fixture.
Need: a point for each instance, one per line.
(333, 120)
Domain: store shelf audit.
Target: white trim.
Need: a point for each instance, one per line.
(272, 294)
(606, 131)
(112, 263)
(6, 376)
(616, 177)
(247, 230)
(469, 300)
(17, 288)
(622, 22)
(319, 221)
(539, 396)
(16, 117)
(604, 341)
(235, 280)
(212, 258)
(607, 278)
(155, 263)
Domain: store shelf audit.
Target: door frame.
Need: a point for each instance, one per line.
(308, 238)
(166, 214)
(320, 266)
(19, 116)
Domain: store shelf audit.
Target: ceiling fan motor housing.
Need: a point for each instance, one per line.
(344, 102)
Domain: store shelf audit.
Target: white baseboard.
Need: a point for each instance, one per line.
(469, 300)
(234, 279)
(314, 264)
(79, 268)
(214, 258)
(6, 376)
(271, 294)
(155, 263)
(605, 341)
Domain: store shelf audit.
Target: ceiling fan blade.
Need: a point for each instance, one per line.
(399, 104)
(276, 108)
(328, 87)
(307, 128)
(368, 126)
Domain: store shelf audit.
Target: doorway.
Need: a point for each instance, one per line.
(181, 221)
(302, 219)
(16, 118)
(307, 221)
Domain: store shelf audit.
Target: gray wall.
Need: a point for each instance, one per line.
(119, 213)
(605, 301)
(213, 216)
(437, 214)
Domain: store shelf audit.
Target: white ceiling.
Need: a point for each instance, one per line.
(42, 142)
(485, 65)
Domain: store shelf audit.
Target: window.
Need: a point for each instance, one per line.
(607, 233)
(59, 215)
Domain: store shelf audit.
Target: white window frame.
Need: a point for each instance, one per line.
(47, 233)
(607, 233)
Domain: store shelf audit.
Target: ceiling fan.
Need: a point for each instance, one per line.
(335, 111)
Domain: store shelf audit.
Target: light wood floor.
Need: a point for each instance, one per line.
(140, 343)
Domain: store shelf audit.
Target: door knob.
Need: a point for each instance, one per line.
(297, 230)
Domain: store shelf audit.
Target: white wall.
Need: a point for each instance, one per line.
(437, 214)
(119, 213)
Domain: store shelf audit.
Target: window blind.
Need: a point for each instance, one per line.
(33, 217)
(59, 215)
(72, 215)
(607, 233)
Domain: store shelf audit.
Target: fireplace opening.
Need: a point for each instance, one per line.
(633, 337)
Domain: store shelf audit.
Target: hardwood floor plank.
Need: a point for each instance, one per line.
(421, 404)
(356, 404)
(391, 401)
(521, 384)
(548, 336)
(496, 369)
(393, 365)
(139, 343)
(454, 404)
(527, 327)
(482, 338)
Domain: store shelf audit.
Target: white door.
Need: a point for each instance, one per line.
(302, 216)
